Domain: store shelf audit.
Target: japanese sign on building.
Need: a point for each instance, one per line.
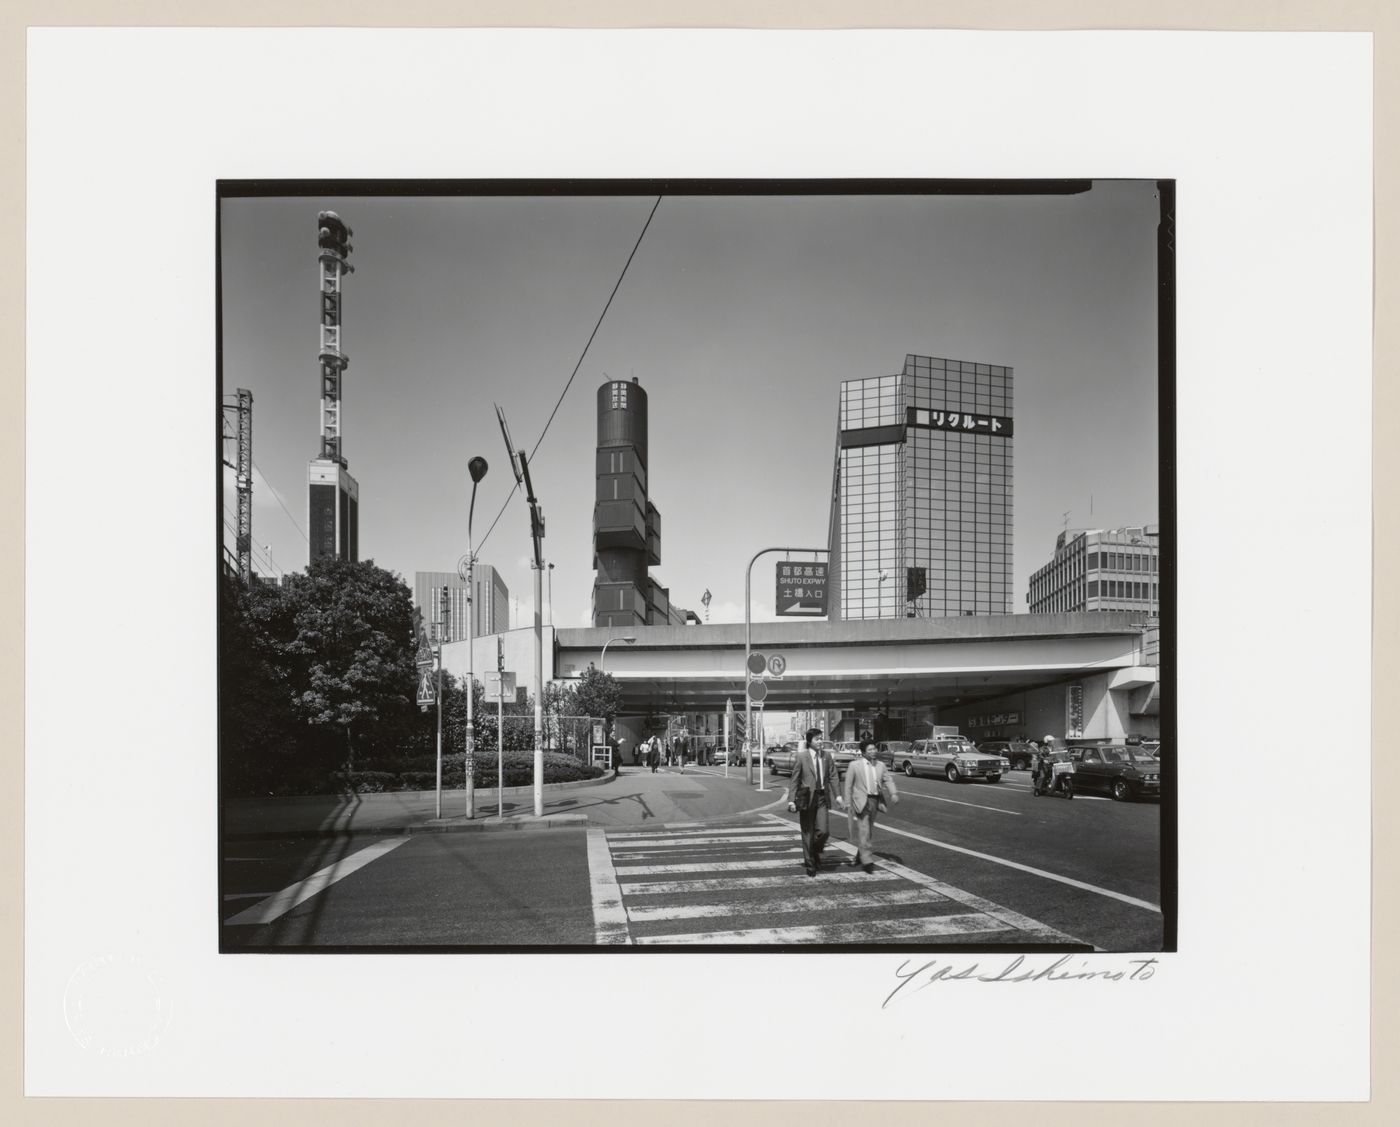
(994, 720)
(801, 589)
(967, 422)
(1074, 720)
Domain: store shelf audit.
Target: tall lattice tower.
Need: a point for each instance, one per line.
(333, 496)
(239, 562)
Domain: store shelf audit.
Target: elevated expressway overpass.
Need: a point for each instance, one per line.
(938, 662)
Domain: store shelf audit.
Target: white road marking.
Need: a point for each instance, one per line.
(865, 931)
(708, 839)
(935, 798)
(842, 889)
(283, 902)
(820, 901)
(609, 918)
(712, 866)
(736, 884)
(1133, 900)
(651, 856)
(686, 831)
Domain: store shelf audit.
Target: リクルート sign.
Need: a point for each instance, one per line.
(801, 589)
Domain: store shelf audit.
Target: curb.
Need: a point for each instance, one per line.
(515, 822)
(518, 822)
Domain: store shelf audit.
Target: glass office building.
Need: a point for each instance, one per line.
(921, 514)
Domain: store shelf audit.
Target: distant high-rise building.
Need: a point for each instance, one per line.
(490, 602)
(626, 525)
(333, 496)
(1100, 569)
(921, 518)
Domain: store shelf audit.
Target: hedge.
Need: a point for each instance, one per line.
(411, 774)
(306, 775)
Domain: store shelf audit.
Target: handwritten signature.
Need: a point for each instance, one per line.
(1136, 970)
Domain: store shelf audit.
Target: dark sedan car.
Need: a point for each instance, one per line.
(1019, 753)
(1119, 770)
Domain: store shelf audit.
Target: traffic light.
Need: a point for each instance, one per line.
(916, 583)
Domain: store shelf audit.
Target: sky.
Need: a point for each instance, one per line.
(740, 316)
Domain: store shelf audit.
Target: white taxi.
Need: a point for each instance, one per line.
(954, 758)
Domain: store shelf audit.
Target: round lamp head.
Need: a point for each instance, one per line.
(477, 468)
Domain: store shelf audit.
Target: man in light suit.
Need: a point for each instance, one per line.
(813, 794)
(869, 788)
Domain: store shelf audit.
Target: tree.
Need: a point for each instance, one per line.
(353, 648)
(597, 694)
(258, 729)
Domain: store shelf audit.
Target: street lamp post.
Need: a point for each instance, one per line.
(551, 595)
(477, 468)
(603, 657)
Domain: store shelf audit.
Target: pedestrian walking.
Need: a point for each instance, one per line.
(869, 790)
(616, 749)
(654, 754)
(812, 796)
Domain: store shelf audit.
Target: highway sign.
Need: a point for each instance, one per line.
(757, 691)
(801, 589)
(777, 665)
(757, 663)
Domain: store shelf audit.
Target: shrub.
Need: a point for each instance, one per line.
(365, 782)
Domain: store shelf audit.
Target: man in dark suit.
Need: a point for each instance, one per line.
(812, 796)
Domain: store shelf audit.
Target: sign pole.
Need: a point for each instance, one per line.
(441, 629)
(500, 729)
(748, 651)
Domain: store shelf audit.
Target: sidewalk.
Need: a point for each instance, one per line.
(636, 798)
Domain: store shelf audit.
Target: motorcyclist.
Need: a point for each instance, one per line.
(1050, 773)
(1042, 770)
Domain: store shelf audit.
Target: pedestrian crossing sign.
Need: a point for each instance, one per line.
(427, 691)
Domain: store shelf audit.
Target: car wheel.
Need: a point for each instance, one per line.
(951, 773)
(909, 768)
(1121, 791)
(994, 778)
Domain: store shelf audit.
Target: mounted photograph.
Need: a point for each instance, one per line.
(896, 672)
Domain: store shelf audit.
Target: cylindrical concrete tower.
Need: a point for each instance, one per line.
(626, 526)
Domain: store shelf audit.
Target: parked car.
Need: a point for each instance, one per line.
(844, 753)
(1120, 770)
(1020, 754)
(890, 752)
(954, 758)
(780, 757)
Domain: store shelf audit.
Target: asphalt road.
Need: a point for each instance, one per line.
(959, 866)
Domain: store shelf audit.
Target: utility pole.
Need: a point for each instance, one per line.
(521, 464)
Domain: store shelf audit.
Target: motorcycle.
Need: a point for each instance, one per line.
(1050, 777)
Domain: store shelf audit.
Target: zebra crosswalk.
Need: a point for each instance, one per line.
(744, 885)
